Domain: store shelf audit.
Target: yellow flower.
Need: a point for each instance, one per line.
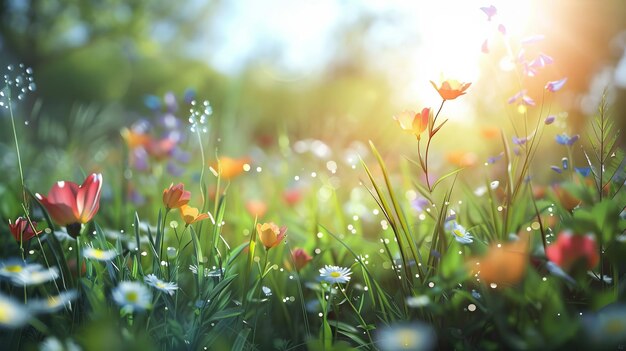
(451, 89)
(269, 234)
(191, 214)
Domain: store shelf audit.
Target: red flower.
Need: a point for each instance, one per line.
(70, 203)
(300, 258)
(21, 230)
(570, 249)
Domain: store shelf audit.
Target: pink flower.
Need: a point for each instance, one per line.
(69, 203)
(570, 249)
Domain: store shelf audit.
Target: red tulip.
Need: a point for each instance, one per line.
(300, 258)
(69, 203)
(21, 230)
(570, 249)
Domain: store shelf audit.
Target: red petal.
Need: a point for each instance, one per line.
(88, 197)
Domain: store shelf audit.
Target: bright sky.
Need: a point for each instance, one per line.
(418, 40)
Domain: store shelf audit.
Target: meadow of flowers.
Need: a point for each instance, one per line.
(159, 241)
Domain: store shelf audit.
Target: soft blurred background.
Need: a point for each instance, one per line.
(327, 74)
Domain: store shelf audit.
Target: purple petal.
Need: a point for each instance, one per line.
(528, 101)
(532, 39)
(489, 11)
(556, 169)
(555, 85)
(550, 119)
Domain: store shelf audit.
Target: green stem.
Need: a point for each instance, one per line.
(357, 312)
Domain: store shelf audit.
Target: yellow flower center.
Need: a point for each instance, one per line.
(615, 327)
(98, 254)
(335, 274)
(132, 296)
(5, 313)
(408, 338)
(14, 268)
(160, 285)
(458, 233)
(52, 301)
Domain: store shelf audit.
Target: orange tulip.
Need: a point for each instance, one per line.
(451, 89)
(229, 168)
(412, 122)
(191, 214)
(256, 208)
(270, 235)
(175, 196)
(504, 265)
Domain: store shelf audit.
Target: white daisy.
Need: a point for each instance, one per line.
(53, 303)
(166, 287)
(418, 301)
(335, 274)
(13, 314)
(132, 296)
(99, 255)
(461, 234)
(53, 344)
(21, 273)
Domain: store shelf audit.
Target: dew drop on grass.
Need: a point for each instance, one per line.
(26, 123)
(471, 307)
(20, 97)
(493, 285)
(431, 285)
(9, 67)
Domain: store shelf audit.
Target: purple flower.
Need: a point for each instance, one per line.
(532, 39)
(556, 169)
(523, 98)
(555, 85)
(419, 204)
(550, 119)
(152, 102)
(494, 159)
(489, 11)
(564, 139)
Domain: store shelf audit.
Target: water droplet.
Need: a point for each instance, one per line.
(32, 86)
(471, 307)
(10, 67)
(20, 97)
(25, 122)
(493, 285)
(29, 70)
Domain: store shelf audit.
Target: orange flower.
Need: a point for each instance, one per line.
(451, 89)
(413, 123)
(229, 168)
(175, 196)
(269, 234)
(134, 139)
(462, 158)
(503, 264)
(191, 214)
(490, 132)
(21, 230)
(256, 208)
(567, 200)
(300, 258)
